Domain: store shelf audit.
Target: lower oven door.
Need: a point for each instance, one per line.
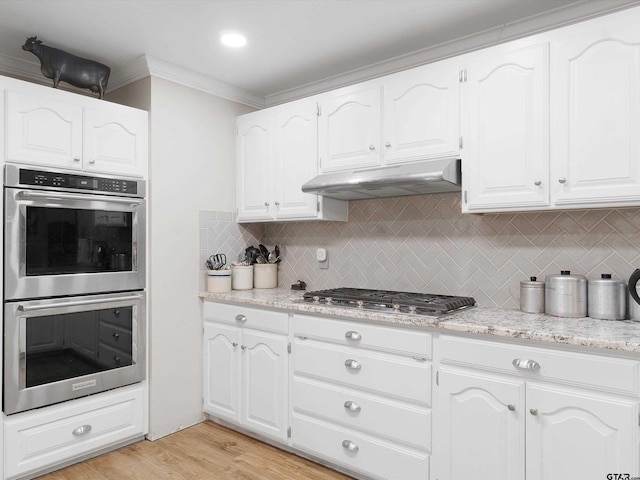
(64, 348)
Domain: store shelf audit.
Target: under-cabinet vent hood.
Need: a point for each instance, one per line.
(434, 176)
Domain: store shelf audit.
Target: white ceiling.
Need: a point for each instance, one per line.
(295, 47)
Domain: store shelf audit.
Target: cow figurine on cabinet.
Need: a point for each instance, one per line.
(63, 66)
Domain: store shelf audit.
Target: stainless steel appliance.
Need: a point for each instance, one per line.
(63, 348)
(390, 301)
(74, 279)
(69, 234)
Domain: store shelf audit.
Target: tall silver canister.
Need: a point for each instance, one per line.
(607, 298)
(532, 296)
(565, 295)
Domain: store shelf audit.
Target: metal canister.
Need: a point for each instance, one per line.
(607, 298)
(565, 295)
(532, 296)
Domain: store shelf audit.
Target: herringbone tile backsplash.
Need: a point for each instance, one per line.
(424, 244)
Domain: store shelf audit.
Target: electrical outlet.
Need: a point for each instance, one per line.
(322, 258)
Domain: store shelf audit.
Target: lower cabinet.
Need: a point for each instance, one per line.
(43, 438)
(504, 420)
(246, 368)
(361, 396)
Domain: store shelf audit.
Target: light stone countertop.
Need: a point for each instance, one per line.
(622, 335)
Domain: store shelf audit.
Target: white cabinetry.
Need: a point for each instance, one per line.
(411, 115)
(276, 154)
(58, 129)
(595, 113)
(43, 438)
(506, 123)
(361, 396)
(556, 414)
(246, 367)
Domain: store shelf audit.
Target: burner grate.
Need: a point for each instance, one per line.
(387, 300)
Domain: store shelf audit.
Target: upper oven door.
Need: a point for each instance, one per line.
(59, 243)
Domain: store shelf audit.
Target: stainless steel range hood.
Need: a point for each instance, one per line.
(434, 176)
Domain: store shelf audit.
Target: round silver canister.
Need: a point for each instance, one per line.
(607, 298)
(532, 296)
(565, 295)
(633, 307)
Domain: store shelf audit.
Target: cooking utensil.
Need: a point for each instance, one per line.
(263, 250)
(261, 259)
(218, 261)
(250, 254)
(565, 295)
(607, 298)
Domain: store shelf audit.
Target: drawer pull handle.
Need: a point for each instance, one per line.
(350, 446)
(525, 364)
(81, 430)
(352, 406)
(353, 364)
(511, 407)
(351, 335)
(241, 318)
(534, 412)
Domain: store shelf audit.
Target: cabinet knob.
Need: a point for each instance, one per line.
(511, 407)
(352, 364)
(92, 161)
(387, 144)
(81, 430)
(537, 183)
(116, 359)
(562, 180)
(243, 347)
(234, 344)
(372, 147)
(116, 313)
(241, 318)
(76, 159)
(350, 446)
(266, 204)
(534, 412)
(116, 336)
(525, 364)
(277, 204)
(352, 406)
(351, 335)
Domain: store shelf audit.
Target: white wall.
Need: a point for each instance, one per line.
(192, 168)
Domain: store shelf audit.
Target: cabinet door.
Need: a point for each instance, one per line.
(115, 140)
(480, 427)
(296, 159)
(42, 131)
(573, 435)
(222, 371)
(254, 151)
(505, 142)
(596, 113)
(421, 113)
(264, 383)
(349, 128)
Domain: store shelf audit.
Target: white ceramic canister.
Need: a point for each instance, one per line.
(532, 296)
(607, 298)
(218, 281)
(565, 295)
(242, 277)
(265, 275)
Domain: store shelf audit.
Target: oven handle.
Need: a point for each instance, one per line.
(27, 194)
(78, 303)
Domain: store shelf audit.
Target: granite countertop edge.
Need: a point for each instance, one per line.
(619, 335)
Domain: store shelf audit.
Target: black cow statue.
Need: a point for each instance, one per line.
(63, 66)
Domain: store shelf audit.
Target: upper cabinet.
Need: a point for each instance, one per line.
(408, 116)
(595, 113)
(505, 129)
(276, 151)
(58, 129)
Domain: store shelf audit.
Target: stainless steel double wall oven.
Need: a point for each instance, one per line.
(74, 279)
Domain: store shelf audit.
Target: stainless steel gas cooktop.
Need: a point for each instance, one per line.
(389, 301)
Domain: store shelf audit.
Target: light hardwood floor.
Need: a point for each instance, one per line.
(206, 451)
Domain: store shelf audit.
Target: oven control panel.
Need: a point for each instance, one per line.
(74, 182)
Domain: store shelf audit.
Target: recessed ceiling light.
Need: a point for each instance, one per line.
(233, 39)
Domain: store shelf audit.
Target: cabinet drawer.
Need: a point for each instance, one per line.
(397, 422)
(364, 335)
(392, 375)
(112, 357)
(611, 374)
(277, 322)
(117, 317)
(42, 438)
(115, 337)
(368, 454)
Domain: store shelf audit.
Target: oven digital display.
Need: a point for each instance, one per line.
(77, 182)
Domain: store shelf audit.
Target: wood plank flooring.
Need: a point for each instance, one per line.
(206, 451)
